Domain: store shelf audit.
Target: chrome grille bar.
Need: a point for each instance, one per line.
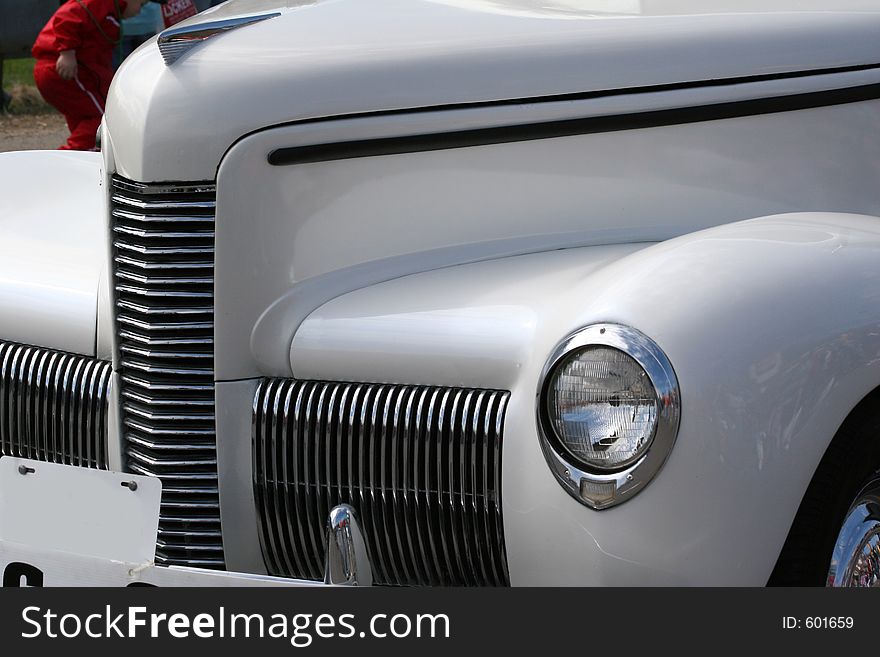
(163, 236)
(420, 465)
(53, 406)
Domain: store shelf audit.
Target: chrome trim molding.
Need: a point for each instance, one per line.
(163, 257)
(53, 406)
(601, 490)
(420, 465)
(347, 563)
(177, 41)
(855, 561)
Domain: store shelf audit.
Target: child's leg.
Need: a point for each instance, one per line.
(80, 106)
(82, 134)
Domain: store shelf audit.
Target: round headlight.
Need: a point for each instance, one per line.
(608, 410)
(603, 407)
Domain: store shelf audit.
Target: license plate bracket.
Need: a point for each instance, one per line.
(81, 511)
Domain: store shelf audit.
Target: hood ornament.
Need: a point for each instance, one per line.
(176, 41)
(347, 563)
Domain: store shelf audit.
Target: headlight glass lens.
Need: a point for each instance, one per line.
(603, 407)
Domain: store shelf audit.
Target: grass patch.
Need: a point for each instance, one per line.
(27, 100)
(18, 82)
(18, 71)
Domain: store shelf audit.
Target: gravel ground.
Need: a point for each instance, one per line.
(32, 132)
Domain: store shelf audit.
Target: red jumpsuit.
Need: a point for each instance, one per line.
(92, 29)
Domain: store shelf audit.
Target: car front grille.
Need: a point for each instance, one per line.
(163, 250)
(421, 466)
(53, 406)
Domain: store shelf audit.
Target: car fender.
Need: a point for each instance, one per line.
(53, 248)
(772, 326)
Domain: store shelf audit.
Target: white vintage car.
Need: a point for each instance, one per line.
(455, 292)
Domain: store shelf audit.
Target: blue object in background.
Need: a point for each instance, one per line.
(146, 23)
(137, 30)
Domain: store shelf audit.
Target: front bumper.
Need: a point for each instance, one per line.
(64, 525)
(31, 565)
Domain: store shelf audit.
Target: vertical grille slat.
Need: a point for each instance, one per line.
(47, 414)
(388, 494)
(317, 493)
(374, 491)
(268, 466)
(421, 465)
(163, 239)
(495, 509)
(295, 532)
(47, 393)
(444, 488)
(314, 525)
(34, 408)
(454, 501)
(424, 528)
(410, 490)
(487, 513)
(474, 427)
(465, 486)
(291, 549)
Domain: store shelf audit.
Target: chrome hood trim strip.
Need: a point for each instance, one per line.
(175, 42)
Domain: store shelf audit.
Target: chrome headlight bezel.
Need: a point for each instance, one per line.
(591, 486)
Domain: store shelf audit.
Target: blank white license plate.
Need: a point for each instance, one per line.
(93, 513)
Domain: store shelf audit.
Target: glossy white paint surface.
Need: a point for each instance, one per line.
(332, 58)
(291, 238)
(234, 410)
(53, 246)
(767, 374)
(106, 337)
(469, 326)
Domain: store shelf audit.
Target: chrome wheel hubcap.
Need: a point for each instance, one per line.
(856, 557)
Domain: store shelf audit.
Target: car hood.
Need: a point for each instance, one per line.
(326, 58)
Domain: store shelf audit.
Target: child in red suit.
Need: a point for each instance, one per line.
(74, 54)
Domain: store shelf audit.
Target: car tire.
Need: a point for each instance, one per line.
(846, 478)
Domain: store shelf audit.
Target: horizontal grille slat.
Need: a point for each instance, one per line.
(172, 464)
(168, 387)
(168, 280)
(162, 369)
(170, 415)
(163, 234)
(171, 545)
(170, 446)
(137, 465)
(171, 249)
(162, 401)
(201, 519)
(156, 219)
(191, 487)
(149, 307)
(159, 206)
(151, 341)
(164, 264)
(168, 354)
(185, 190)
(190, 533)
(165, 294)
(163, 237)
(173, 325)
(420, 465)
(53, 406)
(193, 561)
